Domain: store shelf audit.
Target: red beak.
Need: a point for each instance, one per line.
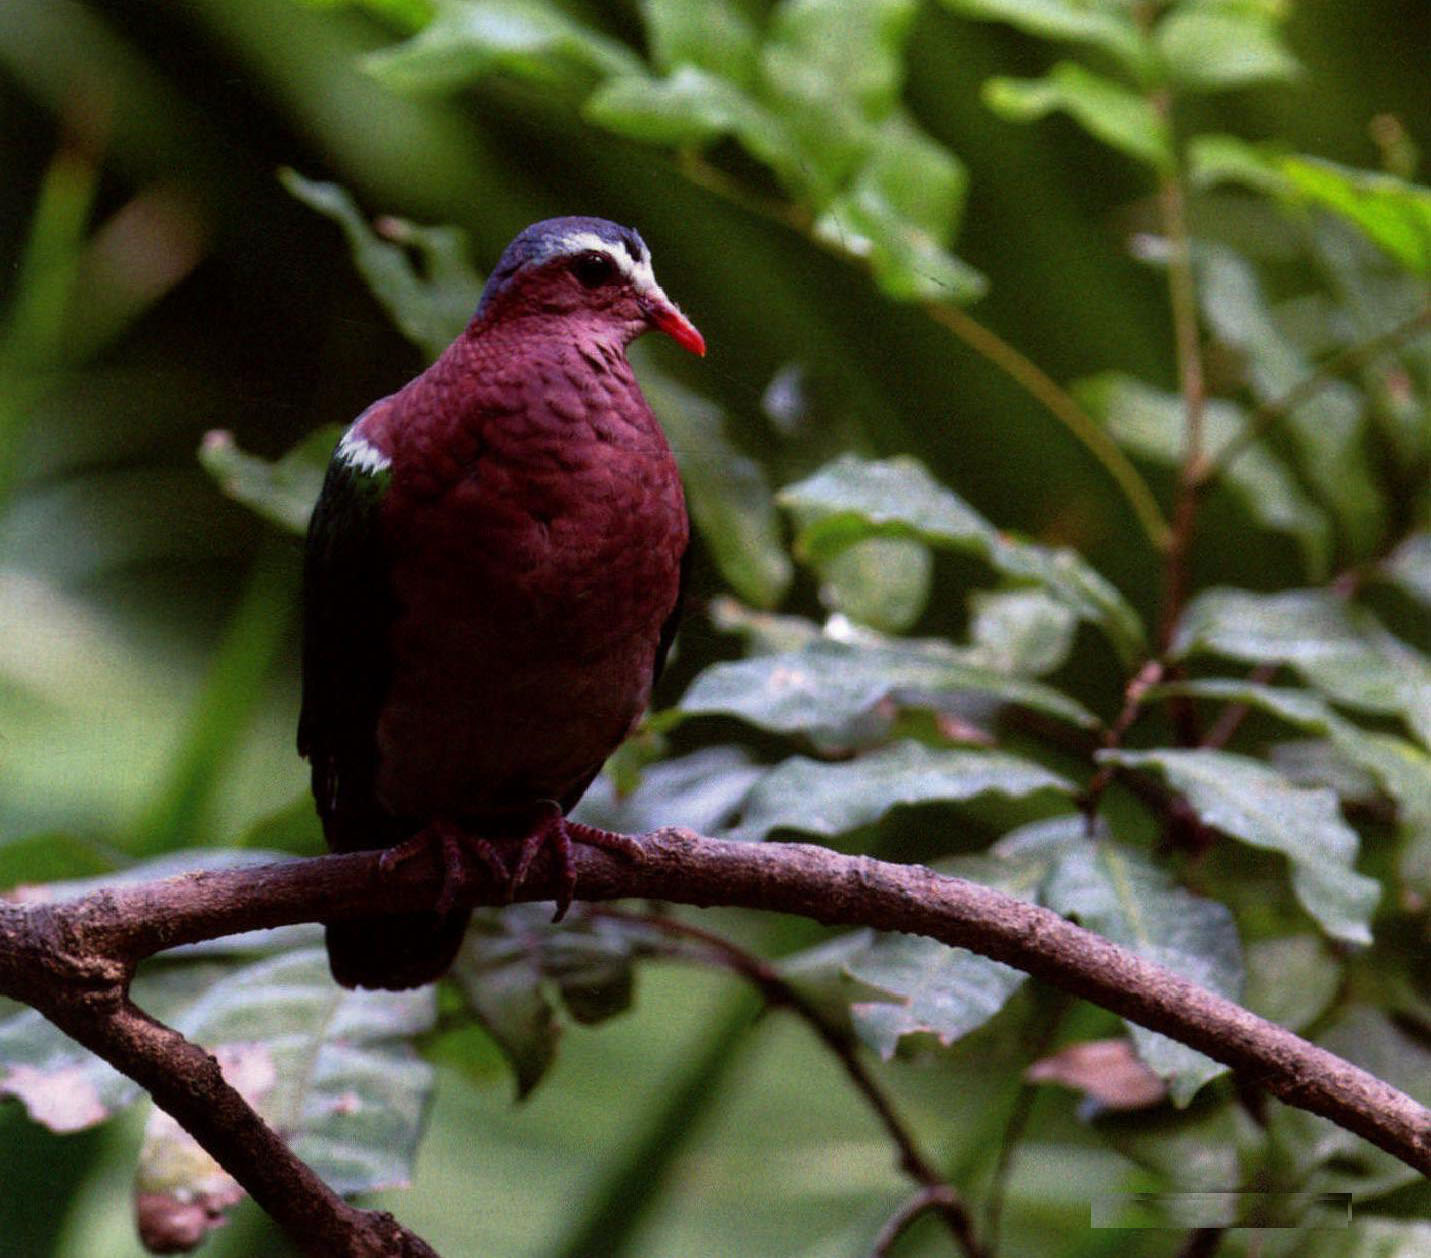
(675, 325)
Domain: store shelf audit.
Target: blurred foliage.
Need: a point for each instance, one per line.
(936, 454)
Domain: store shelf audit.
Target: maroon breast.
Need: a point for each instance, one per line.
(535, 527)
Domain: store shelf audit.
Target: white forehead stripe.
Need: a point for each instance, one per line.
(358, 452)
(642, 278)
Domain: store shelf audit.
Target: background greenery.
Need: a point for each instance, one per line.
(161, 281)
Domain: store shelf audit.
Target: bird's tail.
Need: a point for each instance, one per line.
(397, 950)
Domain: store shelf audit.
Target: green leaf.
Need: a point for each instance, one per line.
(1022, 632)
(1327, 427)
(1121, 894)
(466, 42)
(824, 52)
(715, 35)
(284, 490)
(1393, 212)
(429, 307)
(827, 684)
(1401, 768)
(1152, 424)
(348, 1089)
(1247, 800)
(513, 956)
(1105, 109)
(1291, 980)
(689, 106)
(898, 212)
(882, 582)
(1104, 24)
(699, 791)
(729, 496)
(1211, 49)
(1409, 567)
(852, 499)
(1337, 647)
(819, 797)
(937, 990)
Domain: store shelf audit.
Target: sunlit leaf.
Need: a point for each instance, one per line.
(428, 306)
(1118, 116)
(1337, 647)
(730, 498)
(1210, 49)
(853, 498)
(1393, 212)
(689, 106)
(936, 990)
(1120, 893)
(281, 490)
(899, 211)
(1104, 24)
(715, 35)
(830, 798)
(1249, 801)
(466, 42)
(1152, 423)
(829, 683)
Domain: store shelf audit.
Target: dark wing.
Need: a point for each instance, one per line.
(348, 611)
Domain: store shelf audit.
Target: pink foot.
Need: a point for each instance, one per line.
(451, 842)
(559, 832)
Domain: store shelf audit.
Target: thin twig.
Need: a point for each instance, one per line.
(780, 992)
(930, 1197)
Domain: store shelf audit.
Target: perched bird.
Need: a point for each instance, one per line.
(491, 582)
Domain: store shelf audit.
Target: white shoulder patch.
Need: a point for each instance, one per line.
(358, 452)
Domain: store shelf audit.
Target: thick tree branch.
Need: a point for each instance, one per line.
(72, 960)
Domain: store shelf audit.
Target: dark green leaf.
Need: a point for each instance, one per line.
(828, 684)
(1153, 424)
(1107, 110)
(467, 42)
(1336, 646)
(1121, 894)
(730, 498)
(512, 956)
(937, 990)
(1210, 49)
(824, 798)
(1249, 801)
(1105, 24)
(282, 491)
(852, 499)
(429, 307)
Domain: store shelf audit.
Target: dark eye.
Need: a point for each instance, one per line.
(594, 269)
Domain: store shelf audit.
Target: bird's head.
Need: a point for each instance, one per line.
(587, 267)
